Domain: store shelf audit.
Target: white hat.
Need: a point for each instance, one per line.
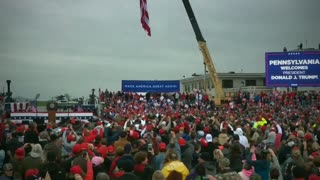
(209, 137)
(238, 132)
(201, 133)
(36, 151)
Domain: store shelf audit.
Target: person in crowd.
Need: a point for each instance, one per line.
(54, 145)
(295, 159)
(122, 140)
(172, 163)
(226, 172)
(223, 137)
(236, 157)
(44, 137)
(77, 173)
(141, 168)
(98, 166)
(125, 168)
(7, 172)
(69, 139)
(157, 175)
(196, 154)
(170, 124)
(175, 175)
(247, 171)
(298, 172)
(159, 159)
(110, 155)
(31, 134)
(34, 160)
(17, 162)
(51, 168)
(12, 144)
(260, 160)
(186, 152)
(2, 154)
(217, 154)
(112, 169)
(203, 169)
(102, 176)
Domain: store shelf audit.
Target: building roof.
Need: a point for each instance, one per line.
(226, 75)
(305, 49)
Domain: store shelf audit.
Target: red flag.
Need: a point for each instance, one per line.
(145, 16)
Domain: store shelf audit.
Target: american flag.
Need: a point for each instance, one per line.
(145, 16)
(19, 106)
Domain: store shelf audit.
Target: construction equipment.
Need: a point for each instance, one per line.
(208, 61)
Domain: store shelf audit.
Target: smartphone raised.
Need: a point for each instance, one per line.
(149, 147)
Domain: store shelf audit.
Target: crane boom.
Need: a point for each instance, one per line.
(208, 61)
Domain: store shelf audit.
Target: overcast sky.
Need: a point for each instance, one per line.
(55, 47)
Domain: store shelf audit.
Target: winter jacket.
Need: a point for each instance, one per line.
(175, 166)
(228, 175)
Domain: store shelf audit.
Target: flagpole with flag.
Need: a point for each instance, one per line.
(145, 17)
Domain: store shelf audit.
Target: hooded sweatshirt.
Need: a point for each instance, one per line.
(175, 166)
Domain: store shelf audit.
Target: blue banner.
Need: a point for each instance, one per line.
(285, 69)
(150, 86)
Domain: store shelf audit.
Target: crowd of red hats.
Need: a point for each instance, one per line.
(128, 118)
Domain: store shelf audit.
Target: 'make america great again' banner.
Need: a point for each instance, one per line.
(150, 86)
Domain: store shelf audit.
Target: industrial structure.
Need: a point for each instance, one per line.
(231, 82)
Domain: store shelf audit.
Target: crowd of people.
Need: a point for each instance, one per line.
(157, 136)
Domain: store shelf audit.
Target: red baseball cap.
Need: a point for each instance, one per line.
(76, 170)
(198, 120)
(308, 137)
(162, 146)
(206, 130)
(32, 173)
(84, 146)
(70, 138)
(103, 150)
(176, 129)
(76, 149)
(20, 153)
(73, 121)
(162, 131)
(182, 142)
(149, 127)
(20, 129)
(203, 142)
(135, 135)
(110, 149)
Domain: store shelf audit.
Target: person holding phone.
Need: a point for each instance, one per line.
(141, 168)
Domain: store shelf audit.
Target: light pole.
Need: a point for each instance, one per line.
(36, 98)
(204, 78)
(68, 99)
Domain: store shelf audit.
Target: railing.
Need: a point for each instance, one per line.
(248, 89)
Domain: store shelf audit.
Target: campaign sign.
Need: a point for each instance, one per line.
(150, 86)
(285, 69)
